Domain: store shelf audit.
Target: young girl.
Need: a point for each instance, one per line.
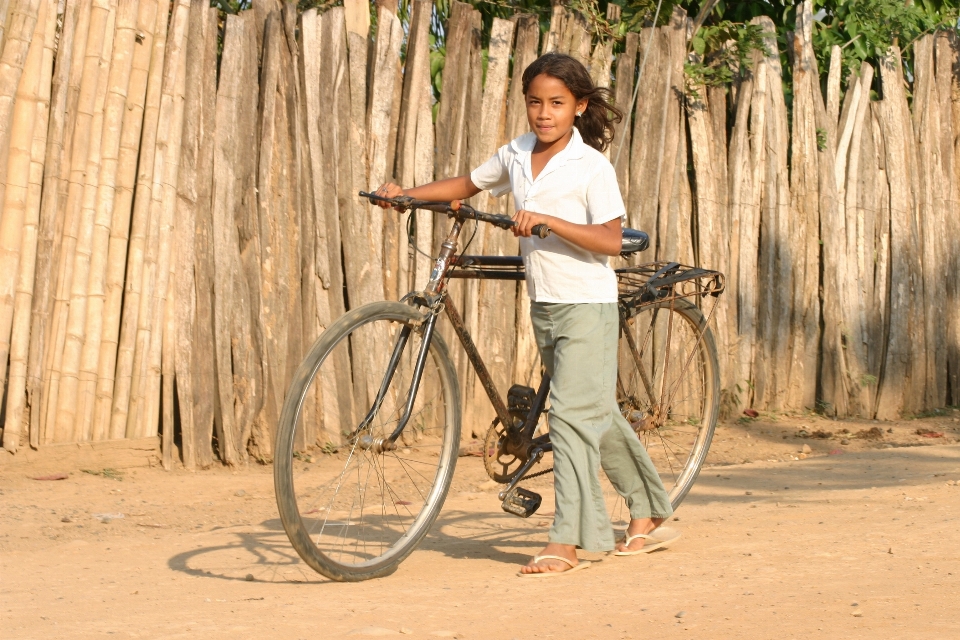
(559, 178)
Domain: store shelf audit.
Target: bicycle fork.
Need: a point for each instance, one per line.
(379, 445)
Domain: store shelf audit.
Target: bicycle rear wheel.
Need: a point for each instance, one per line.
(668, 389)
(352, 507)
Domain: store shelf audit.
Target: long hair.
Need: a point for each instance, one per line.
(596, 123)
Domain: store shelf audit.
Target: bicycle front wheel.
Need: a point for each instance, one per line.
(668, 389)
(353, 506)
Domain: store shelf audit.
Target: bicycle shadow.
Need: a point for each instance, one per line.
(264, 554)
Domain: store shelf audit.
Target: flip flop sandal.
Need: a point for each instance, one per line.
(660, 538)
(550, 574)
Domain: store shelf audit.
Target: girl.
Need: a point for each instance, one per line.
(559, 178)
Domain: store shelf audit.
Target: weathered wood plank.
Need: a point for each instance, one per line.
(902, 383)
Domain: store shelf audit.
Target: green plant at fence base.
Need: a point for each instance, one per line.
(113, 474)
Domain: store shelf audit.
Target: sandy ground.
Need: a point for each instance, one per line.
(856, 540)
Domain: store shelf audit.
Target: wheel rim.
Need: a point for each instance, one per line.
(364, 508)
(669, 397)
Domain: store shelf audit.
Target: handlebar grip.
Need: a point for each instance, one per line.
(540, 230)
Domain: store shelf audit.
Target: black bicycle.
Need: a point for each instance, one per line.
(370, 429)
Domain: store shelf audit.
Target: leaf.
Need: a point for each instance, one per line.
(699, 45)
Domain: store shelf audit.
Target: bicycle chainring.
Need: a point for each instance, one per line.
(501, 466)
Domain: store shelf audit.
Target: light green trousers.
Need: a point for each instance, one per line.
(578, 348)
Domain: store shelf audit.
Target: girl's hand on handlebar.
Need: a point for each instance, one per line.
(525, 221)
(388, 190)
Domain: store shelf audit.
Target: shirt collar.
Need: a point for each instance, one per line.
(523, 146)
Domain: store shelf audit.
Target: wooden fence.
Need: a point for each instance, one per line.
(180, 223)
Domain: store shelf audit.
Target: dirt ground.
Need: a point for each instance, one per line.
(859, 538)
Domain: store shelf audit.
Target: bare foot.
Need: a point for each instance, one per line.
(638, 526)
(567, 551)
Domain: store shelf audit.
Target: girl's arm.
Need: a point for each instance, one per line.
(457, 188)
(606, 238)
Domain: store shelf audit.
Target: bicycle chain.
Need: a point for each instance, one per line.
(537, 474)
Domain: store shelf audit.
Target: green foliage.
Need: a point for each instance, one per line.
(865, 29)
(721, 51)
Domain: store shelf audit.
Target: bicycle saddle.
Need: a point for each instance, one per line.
(634, 241)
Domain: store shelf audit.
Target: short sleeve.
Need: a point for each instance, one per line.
(492, 175)
(604, 202)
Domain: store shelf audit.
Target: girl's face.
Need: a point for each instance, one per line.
(551, 109)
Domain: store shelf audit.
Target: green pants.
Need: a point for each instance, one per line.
(578, 347)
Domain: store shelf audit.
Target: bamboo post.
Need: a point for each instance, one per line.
(19, 30)
(85, 154)
(171, 127)
(133, 304)
(143, 412)
(15, 420)
(114, 110)
(69, 425)
(19, 222)
(16, 179)
(56, 162)
(131, 135)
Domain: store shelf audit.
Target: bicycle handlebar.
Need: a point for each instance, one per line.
(462, 212)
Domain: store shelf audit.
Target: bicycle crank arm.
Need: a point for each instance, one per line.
(532, 460)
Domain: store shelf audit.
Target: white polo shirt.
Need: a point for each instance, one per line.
(578, 185)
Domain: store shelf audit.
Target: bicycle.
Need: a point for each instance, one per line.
(383, 379)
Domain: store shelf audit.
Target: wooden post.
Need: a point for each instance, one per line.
(948, 85)
(932, 215)
(526, 360)
(496, 321)
(805, 223)
(902, 384)
(384, 64)
(233, 170)
(415, 136)
(193, 349)
(623, 88)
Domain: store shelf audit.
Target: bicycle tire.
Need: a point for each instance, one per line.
(308, 501)
(694, 352)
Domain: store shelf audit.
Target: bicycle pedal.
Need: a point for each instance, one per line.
(521, 502)
(520, 400)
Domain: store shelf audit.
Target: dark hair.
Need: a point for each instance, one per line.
(596, 123)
